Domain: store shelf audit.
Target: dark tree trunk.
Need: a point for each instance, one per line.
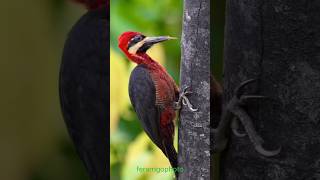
(194, 133)
(277, 41)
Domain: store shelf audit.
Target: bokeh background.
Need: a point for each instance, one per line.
(34, 144)
(129, 145)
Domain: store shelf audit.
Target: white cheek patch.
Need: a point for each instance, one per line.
(133, 49)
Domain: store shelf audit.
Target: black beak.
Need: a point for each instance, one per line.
(149, 41)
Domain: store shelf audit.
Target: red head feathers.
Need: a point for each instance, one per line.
(124, 39)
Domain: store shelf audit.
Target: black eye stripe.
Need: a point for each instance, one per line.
(135, 40)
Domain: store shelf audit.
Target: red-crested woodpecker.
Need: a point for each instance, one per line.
(153, 93)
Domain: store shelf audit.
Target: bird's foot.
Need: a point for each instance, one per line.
(235, 114)
(184, 100)
(235, 128)
(254, 137)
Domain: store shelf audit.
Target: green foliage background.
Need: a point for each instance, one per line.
(130, 146)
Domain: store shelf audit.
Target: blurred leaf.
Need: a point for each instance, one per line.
(138, 155)
(119, 100)
(159, 160)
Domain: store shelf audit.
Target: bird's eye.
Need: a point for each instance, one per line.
(135, 40)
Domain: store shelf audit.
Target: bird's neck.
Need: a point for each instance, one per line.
(148, 61)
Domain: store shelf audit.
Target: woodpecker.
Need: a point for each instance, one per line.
(84, 87)
(153, 92)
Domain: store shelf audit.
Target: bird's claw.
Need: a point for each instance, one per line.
(235, 110)
(184, 100)
(237, 133)
(255, 139)
(235, 128)
(238, 90)
(267, 153)
(186, 91)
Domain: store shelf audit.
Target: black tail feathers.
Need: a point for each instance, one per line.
(171, 154)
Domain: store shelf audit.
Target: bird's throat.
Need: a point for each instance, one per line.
(142, 59)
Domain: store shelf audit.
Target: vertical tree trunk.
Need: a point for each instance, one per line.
(277, 41)
(194, 133)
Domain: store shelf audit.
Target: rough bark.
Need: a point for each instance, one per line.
(194, 133)
(277, 41)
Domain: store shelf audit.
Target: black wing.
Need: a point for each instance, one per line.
(142, 94)
(84, 91)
